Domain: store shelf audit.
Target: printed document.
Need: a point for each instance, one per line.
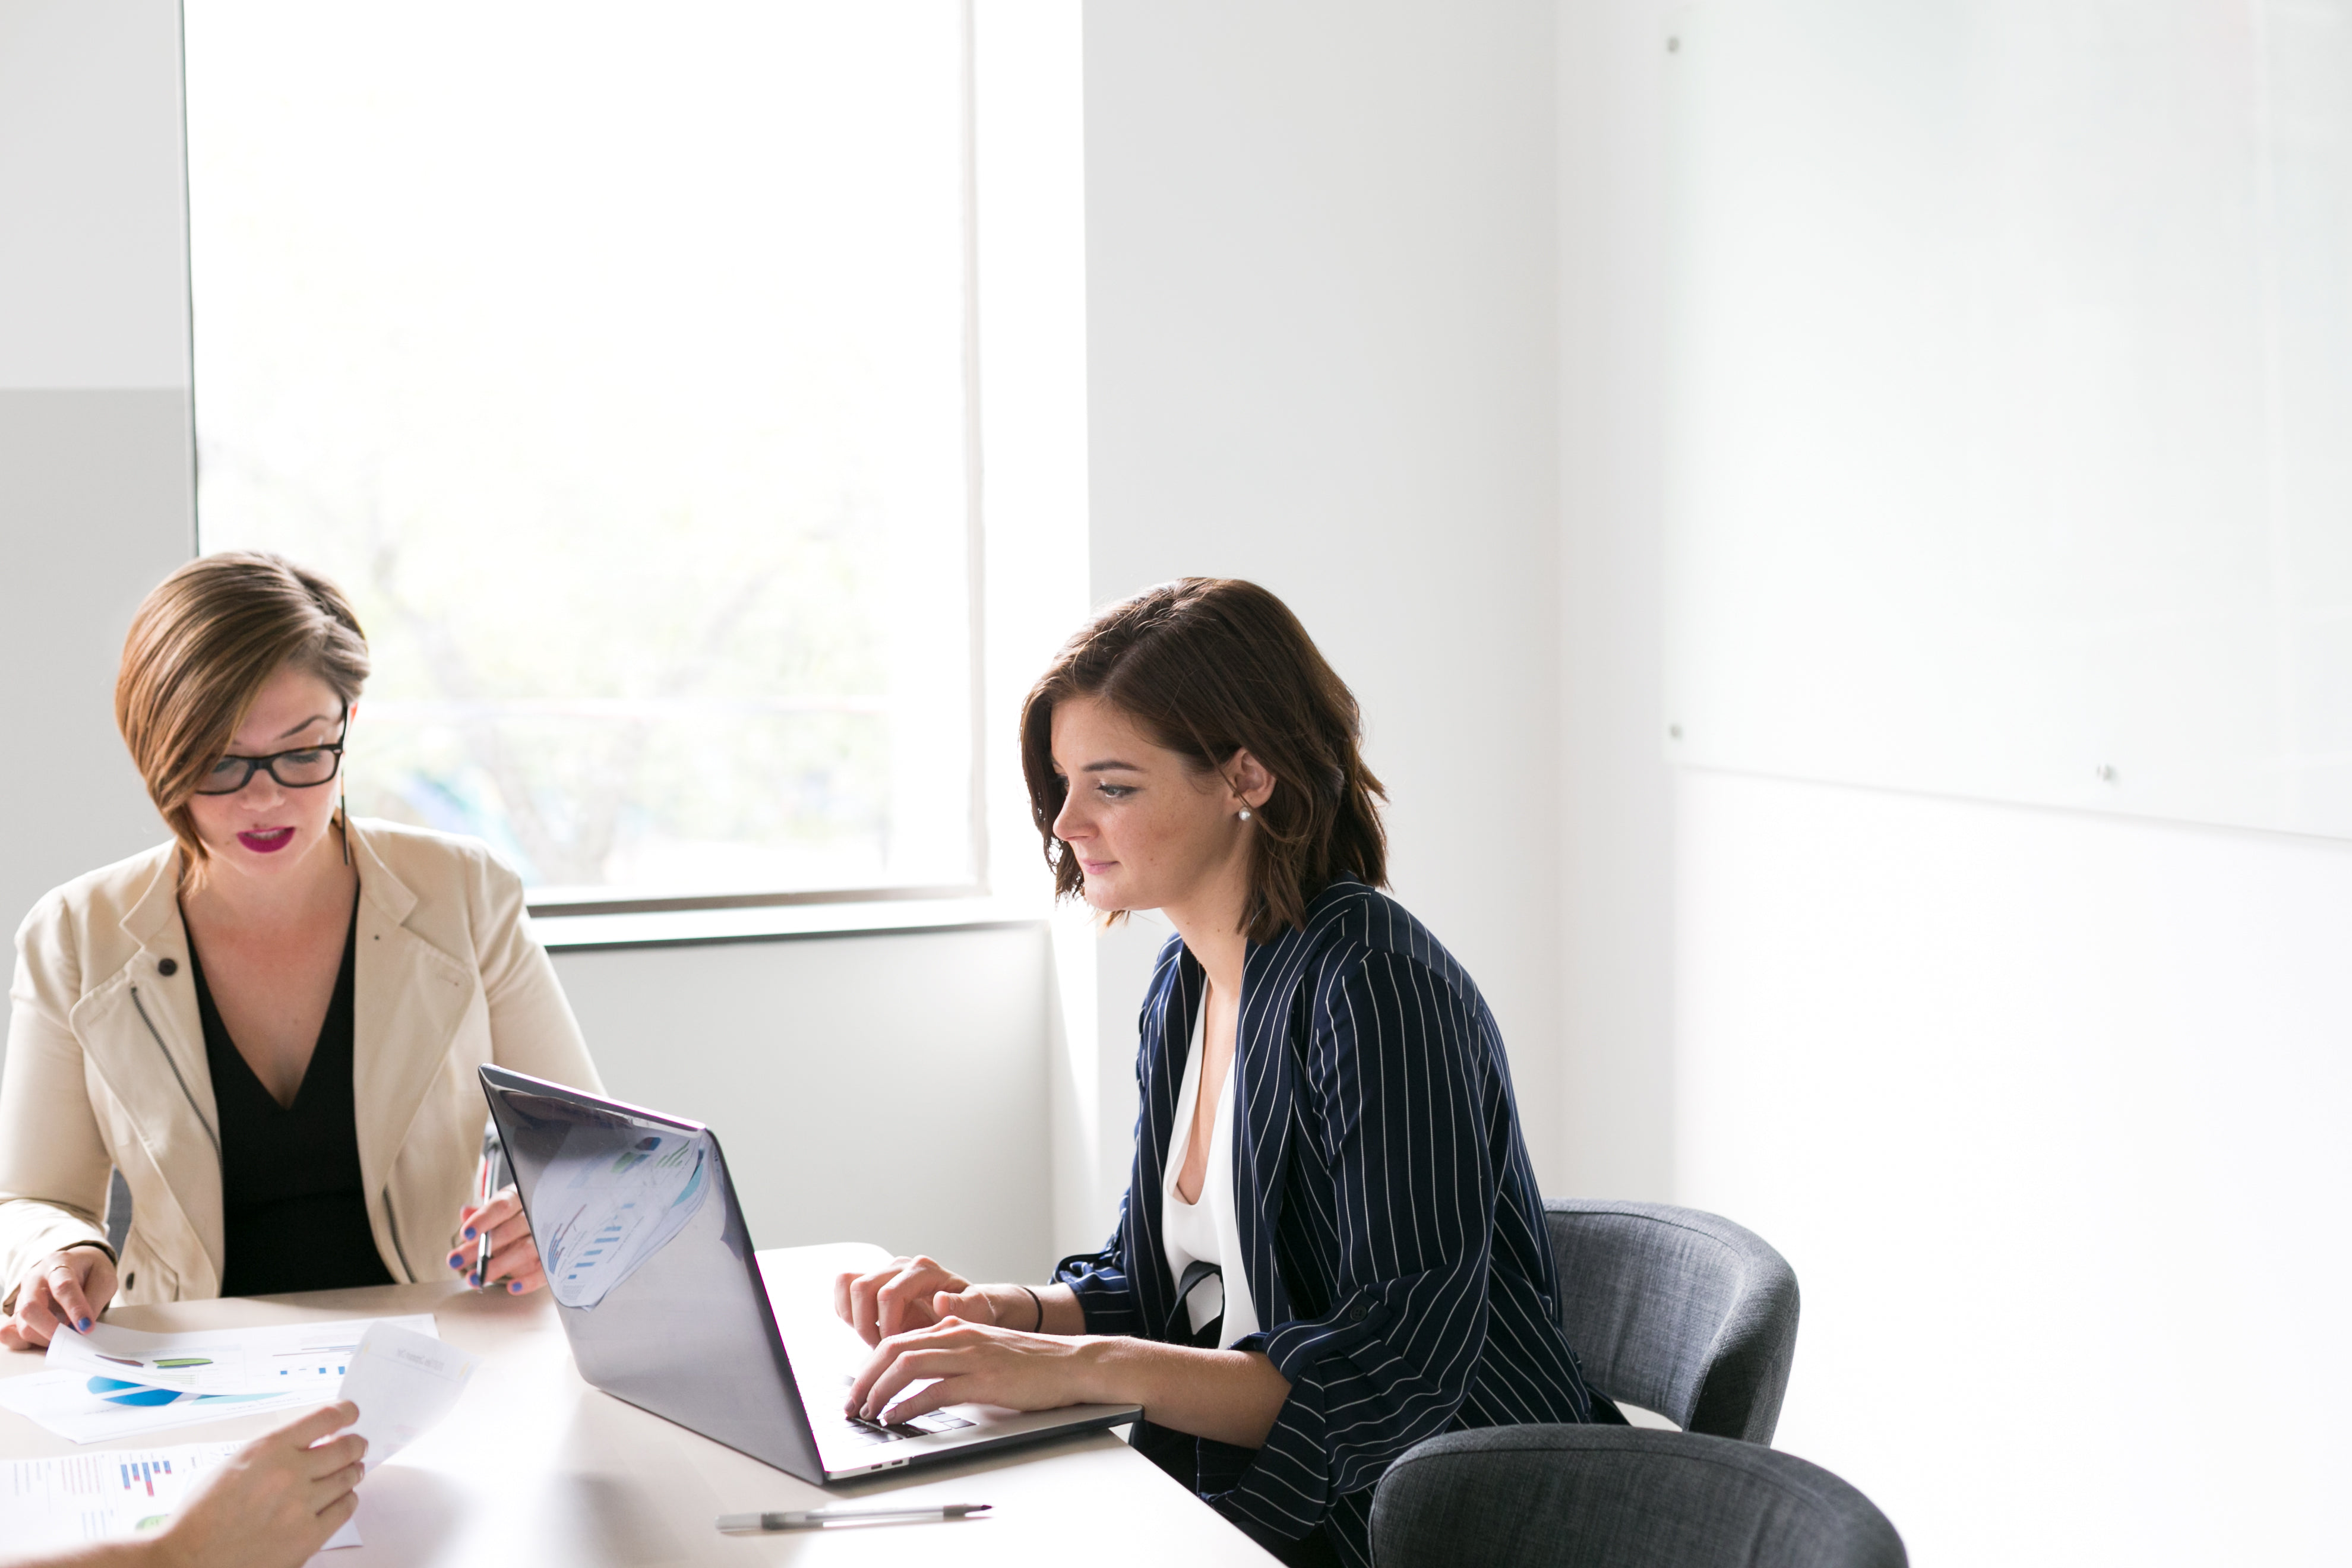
(65, 1404)
(113, 1383)
(403, 1384)
(281, 1358)
(48, 1505)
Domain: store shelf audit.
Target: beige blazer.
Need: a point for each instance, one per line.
(106, 1058)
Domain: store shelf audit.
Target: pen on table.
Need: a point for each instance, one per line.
(818, 1518)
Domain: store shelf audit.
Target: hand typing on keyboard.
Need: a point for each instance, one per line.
(863, 1433)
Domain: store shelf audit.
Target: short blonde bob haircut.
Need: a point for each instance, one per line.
(201, 648)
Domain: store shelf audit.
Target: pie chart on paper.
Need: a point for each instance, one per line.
(114, 1391)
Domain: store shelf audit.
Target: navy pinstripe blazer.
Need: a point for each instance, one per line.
(1392, 1229)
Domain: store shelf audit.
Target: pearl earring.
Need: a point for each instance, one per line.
(1244, 816)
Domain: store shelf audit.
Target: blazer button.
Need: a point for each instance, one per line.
(1357, 1313)
(168, 968)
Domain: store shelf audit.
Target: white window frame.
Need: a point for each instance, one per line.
(977, 833)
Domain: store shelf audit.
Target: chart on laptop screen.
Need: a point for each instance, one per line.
(605, 1212)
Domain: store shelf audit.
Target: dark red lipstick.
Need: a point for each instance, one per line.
(269, 841)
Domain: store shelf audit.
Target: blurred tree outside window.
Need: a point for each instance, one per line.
(613, 360)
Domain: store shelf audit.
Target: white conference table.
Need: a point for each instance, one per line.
(535, 1466)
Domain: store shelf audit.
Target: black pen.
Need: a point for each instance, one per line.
(482, 1247)
(818, 1518)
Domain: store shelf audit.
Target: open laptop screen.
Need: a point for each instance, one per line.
(650, 1265)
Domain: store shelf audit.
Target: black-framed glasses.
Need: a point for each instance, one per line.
(306, 767)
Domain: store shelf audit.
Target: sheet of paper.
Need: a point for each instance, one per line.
(65, 1403)
(280, 1358)
(55, 1504)
(114, 1382)
(403, 1384)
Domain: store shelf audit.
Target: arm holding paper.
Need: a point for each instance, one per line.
(273, 1502)
(272, 1506)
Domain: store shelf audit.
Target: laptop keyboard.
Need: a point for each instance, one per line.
(858, 1433)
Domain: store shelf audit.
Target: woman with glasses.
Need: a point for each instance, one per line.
(1332, 1245)
(270, 1023)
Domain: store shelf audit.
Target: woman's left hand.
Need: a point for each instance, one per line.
(974, 1365)
(514, 1265)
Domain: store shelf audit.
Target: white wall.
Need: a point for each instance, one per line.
(1616, 810)
(95, 477)
(94, 282)
(2044, 1107)
(2010, 385)
(887, 1088)
(2047, 1110)
(1321, 286)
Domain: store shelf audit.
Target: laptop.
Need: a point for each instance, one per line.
(666, 1306)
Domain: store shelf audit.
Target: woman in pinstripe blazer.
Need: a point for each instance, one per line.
(1383, 1263)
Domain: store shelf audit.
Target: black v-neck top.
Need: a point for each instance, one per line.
(291, 1186)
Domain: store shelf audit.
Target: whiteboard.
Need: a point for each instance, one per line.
(2010, 410)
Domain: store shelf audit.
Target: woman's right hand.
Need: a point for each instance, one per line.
(909, 1293)
(70, 1287)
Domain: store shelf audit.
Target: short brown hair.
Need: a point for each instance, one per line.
(201, 648)
(1207, 666)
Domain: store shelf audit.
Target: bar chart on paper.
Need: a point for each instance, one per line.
(98, 1497)
(47, 1505)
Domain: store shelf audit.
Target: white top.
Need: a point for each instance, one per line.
(1206, 1231)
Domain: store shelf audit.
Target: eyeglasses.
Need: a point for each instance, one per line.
(305, 769)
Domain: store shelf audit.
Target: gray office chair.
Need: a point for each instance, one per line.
(1676, 1310)
(1619, 1497)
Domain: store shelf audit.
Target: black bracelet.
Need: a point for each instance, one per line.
(1040, 1303)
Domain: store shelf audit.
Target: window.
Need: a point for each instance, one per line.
(616, 361)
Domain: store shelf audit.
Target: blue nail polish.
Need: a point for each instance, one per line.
(469, 1233)
(514, 1287)
(475, 1280)
(456, 1260)
(83, 1326)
